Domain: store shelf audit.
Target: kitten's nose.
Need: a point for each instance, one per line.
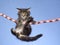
(23, 14)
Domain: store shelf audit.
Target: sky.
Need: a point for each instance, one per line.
(40, 10)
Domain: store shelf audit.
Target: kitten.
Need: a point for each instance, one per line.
(23, 28)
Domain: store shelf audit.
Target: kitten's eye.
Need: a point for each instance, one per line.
(24, 13)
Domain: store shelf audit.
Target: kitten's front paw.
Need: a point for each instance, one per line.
(30, 19)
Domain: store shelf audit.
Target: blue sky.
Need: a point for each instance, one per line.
(40, 10)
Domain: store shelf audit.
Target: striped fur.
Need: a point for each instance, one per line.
(34, 22)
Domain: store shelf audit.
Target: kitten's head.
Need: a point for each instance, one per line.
(23, 13)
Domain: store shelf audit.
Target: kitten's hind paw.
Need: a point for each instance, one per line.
(13, 31)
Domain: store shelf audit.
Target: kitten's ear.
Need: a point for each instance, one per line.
(18, 9)
(28, 9)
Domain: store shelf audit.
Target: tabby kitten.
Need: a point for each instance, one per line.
(23, 28)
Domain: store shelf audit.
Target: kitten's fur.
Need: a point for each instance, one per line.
(23, 30)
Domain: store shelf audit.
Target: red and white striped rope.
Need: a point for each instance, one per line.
(7, 17)
(34, 22)
(45, 21)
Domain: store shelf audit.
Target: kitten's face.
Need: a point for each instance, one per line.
(23, 13)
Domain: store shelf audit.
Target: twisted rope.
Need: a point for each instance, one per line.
(34, 22)
(7, 17)
(45, 21)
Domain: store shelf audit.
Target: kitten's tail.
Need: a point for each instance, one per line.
(27, 38)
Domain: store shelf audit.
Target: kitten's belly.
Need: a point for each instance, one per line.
(24, 31)
(19, 30)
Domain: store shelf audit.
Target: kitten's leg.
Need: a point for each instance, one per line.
(30, 19)
(27, 38)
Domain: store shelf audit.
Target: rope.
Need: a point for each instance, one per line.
(7, 17)
(34, 22)
(45, 21)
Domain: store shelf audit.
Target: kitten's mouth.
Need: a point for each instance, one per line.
(23, 17)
